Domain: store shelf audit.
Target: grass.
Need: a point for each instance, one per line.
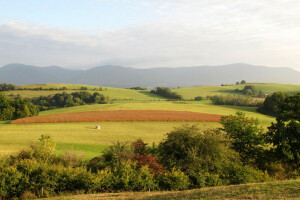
(83, 137)
(192, 92)
(113, 93)
(270, 190)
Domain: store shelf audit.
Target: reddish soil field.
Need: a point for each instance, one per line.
(122, 116)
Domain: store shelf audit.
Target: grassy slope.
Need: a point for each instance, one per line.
(113, 93)
(272, 190)
(192, 92)
(82, 137)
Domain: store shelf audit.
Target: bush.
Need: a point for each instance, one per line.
(235, 173)
(173, 180)
(198, 98)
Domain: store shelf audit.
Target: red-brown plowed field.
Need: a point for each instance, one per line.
(122, 116)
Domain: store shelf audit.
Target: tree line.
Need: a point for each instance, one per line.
(235, 100)
(64, 99)
(11, 109)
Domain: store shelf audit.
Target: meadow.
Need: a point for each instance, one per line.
(82, 137)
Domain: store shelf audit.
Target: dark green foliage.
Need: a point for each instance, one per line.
(7, 87)
(16, 108)
(6, 110)
(243, 82)
(235, 173)
(137, 88)
(272, 103)
(198, 98)
(249, 90)
(68, 100)
(235, 101)
(246, 135)
(285, 133)
(166, 92)
(188, 146)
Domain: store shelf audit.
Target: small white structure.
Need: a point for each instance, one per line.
(98, 127)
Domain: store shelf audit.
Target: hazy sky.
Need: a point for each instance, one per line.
(150, 33)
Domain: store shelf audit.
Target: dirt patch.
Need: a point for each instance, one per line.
(122, 116)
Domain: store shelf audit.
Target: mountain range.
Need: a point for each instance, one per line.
(123, 77)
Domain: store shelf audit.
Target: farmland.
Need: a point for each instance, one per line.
(130, 116)
(82, 137)
(122, 116)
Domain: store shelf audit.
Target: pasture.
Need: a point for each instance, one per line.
(192, 92)
(82, 137)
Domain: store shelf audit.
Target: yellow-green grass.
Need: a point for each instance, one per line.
(192, 92)
(83, 137)
(271, 190)
(113, 93)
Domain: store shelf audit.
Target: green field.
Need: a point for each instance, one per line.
(192, 92)
(113, 93)
(270, 190)
(84, 138)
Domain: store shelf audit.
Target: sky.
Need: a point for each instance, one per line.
(150, 33)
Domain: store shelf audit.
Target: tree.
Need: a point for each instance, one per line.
(188, 147)
(284, 135)
(247, 137)
(243, 82)
(6, 110)
(272, 103)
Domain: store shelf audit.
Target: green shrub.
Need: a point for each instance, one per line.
(11, 182)
(236, 173)
(173, 180)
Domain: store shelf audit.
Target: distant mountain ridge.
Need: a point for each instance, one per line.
(122, 77)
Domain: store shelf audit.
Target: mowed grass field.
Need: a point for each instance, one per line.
(192, 92)
(82, 137)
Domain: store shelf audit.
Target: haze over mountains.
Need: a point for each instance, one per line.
(123, 77)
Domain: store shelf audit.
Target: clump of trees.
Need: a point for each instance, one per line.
(166, 92)
(7, 87)
(235, 100)
(272, 103)
(249, 90)
(68, 100)
(137, 88)
(16, 108)
(198, 98)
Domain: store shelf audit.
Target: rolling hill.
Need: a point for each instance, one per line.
(122, 77)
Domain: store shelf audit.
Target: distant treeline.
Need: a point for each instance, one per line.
(16, 108)
(68, 100)
(137, 88)
(7, 87)
(235, 100)
(166, 92)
